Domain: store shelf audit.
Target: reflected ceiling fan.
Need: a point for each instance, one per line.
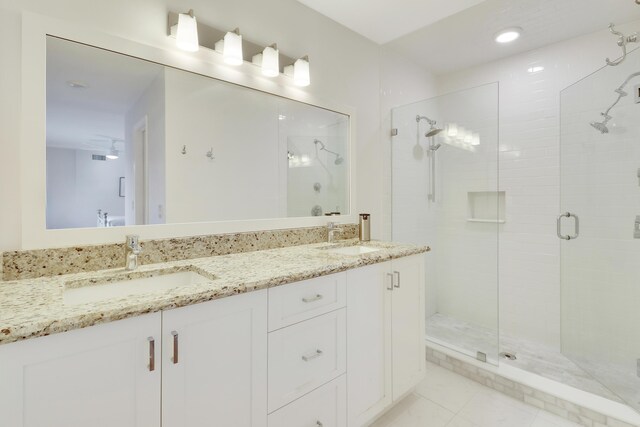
(107, 143)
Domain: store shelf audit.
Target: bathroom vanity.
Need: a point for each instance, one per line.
(295, 336)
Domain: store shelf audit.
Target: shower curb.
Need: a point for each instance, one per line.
(529, 395)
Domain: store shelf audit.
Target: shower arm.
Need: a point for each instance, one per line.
(621, 93)
(622, 42)
(323, 148)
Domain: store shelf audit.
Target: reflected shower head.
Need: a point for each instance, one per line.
(433, 130)
(339, 159)
(600, 126)
(435, 147)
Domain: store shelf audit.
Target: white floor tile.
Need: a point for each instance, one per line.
(545, 419)
(416, 411)
(459, 421)
(492, 409)
(447, 388)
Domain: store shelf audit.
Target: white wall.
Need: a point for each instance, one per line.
(345, 71)
(529, 173)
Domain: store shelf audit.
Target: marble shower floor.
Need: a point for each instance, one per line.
(531, 356)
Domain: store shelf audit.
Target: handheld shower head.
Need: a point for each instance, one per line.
(600, 126)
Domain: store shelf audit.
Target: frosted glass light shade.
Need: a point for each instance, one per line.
(232, 53)
(270, 62)
(475, 140)
(301, 72)
(468, 137)
(187, 33)
(452, 129)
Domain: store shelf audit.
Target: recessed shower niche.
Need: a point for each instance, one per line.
(486, 206)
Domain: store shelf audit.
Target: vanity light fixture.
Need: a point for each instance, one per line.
(468, 137)
(269, 61)
(452, 130)
(299, 70)
(187, 32)
(508, 35)
(232, 48)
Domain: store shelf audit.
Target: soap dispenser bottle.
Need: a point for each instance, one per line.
(364, 227)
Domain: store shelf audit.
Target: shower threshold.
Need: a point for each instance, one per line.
(533, 357)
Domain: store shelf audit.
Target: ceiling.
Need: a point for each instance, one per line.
(88, 117)
(384, 20)
(448, 35)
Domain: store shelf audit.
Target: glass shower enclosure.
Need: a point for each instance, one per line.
(599, 226)
(445, 195)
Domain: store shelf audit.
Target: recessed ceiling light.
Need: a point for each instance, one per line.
(508, 35)
(77, 84)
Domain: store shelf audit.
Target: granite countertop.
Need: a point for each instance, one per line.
(32, 308)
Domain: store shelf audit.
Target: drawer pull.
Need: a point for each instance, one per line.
(397, 274)
(152, 354)
(390, 287)
(317, 353)
(174, 359)
(312, 299)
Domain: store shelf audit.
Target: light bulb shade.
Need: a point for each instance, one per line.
(270, 62)
(452, 130)
(462, 132)
(232, 53)
(187, 33)
(475, 140)
(113, 154)
(301, 73)
(468, 137)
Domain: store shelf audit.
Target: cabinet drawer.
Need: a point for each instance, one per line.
(325, 406)
(304, 356)
(294, 303)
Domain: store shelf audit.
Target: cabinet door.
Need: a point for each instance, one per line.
(214, 366)
(408, 323)
(97, 376)
(369, 340)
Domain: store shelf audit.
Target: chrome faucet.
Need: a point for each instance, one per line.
(332, 229)
(131, 251)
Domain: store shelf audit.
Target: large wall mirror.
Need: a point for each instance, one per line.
(132, 142)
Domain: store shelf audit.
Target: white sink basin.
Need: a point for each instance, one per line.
(353, 250)
(83, 292)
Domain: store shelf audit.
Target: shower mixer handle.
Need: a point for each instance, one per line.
(576, 224)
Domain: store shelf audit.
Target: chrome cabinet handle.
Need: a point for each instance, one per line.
(390, 287)
(174, 359)
(318, 353)
(397, 274)
(576, 225)
(313, 298)
(152, 354)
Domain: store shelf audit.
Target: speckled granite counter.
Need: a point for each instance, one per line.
(36, 307)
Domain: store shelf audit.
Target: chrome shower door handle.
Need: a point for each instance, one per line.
(576, 226)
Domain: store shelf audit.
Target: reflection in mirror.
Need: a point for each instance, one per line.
(131, 142)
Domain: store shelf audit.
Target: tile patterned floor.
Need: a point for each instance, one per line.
(445, 399)
(532, 357)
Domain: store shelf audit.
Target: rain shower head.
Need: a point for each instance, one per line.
(600, 126)
(339, 159)
(433, 130)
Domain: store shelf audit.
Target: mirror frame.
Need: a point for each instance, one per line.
(206, 62)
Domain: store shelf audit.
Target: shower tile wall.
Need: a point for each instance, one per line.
(529, 173)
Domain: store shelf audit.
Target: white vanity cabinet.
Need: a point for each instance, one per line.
(385, 332)
(331, 351)
(214, 364)
(104, 375)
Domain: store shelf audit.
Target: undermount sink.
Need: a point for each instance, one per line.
(353, 250)
(131, 284)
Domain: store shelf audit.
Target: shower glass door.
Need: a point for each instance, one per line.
(600, 262)
(445, 195)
